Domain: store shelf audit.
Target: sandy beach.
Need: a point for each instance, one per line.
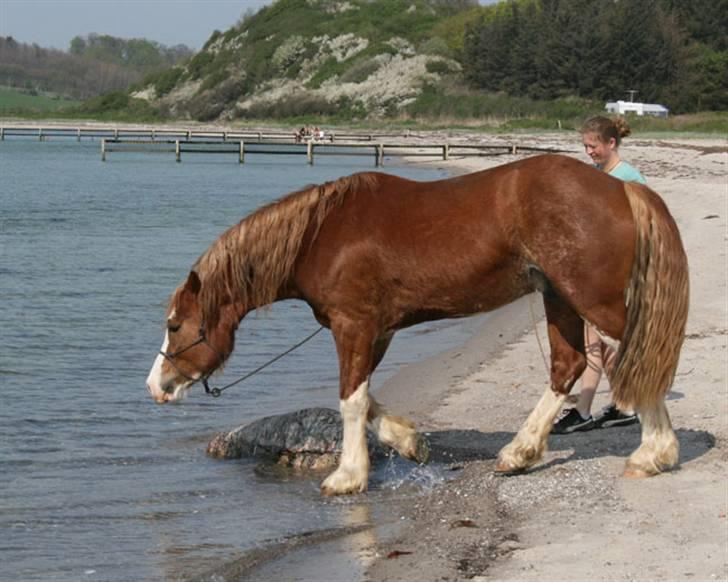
(573, 517)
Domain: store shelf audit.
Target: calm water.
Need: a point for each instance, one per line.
(97, 482)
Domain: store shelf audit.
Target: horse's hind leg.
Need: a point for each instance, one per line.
(659, 449)
(566, 337)
(395, 431)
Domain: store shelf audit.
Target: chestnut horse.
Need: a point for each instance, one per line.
(374, 253)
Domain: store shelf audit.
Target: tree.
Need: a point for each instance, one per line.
(589, 48)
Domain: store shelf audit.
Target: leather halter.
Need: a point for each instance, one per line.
(202, 339)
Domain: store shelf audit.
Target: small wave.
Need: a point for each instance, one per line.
(398, 473)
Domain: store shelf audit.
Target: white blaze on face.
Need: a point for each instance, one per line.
(154, 380)
(159, 386)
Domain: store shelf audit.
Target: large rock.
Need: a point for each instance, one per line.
(305, 439)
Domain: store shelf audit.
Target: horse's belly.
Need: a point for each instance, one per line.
(460, 295)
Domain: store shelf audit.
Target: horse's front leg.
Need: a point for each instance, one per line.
(354, 344)
(566, 337)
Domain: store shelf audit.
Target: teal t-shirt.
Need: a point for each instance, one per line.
(627, 173)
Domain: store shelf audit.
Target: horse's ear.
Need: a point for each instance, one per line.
(193, 283)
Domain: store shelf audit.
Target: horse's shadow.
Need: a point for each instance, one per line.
(453, 446)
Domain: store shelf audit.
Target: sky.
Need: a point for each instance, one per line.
(53, 23)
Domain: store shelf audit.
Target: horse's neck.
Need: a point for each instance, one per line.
(258, 257)
(266, 266)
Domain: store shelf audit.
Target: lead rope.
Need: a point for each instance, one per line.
(535, 330)
(216, 392)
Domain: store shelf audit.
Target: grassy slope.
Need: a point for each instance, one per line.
(12, 100)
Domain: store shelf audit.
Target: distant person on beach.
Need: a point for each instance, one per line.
(601, 137)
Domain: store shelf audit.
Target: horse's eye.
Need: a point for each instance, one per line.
(173, 327)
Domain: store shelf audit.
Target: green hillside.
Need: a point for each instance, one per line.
(316, 57)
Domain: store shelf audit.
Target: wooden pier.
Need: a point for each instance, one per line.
(311, 149)
(243, 144)
(43, 133)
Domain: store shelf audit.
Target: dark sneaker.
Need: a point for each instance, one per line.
(612, 416)
(571, 421)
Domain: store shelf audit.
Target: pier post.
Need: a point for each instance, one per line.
(224, 136)
(116, 133)
(514, 148)
(189, 134)
(2, 134)
(260, 136)
(78, 134)
(446, 152)
(379, 148)
(40, 134)
(177, 155)
(241, 159)
(153, 134)
(309, 151)
(103, 149)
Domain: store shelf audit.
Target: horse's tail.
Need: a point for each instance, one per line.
(657, 305)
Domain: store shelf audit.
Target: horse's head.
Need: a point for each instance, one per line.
(191, 350)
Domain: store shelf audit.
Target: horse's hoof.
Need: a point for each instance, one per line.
(422, 450)
(503, 467)
(327, 491)
(344, 482)
(635, 473)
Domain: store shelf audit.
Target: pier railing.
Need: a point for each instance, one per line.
(43, 133)
(244, 143)
(311, 149)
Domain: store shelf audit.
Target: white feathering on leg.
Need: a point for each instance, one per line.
(529, 444)
(352, 475)
(397, 432)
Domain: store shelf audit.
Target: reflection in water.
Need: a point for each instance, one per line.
(345, 551)
(361, 545)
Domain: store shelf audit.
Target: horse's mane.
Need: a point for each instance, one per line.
(252, 260)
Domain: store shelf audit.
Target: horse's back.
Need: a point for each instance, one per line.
(457, 246)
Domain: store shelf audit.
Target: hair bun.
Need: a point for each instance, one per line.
(622, 126)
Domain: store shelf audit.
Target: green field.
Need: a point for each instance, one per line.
(13, 101)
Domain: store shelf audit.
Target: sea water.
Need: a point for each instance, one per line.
(96, 481)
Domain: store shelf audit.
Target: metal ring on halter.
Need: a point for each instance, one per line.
(214, 392)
